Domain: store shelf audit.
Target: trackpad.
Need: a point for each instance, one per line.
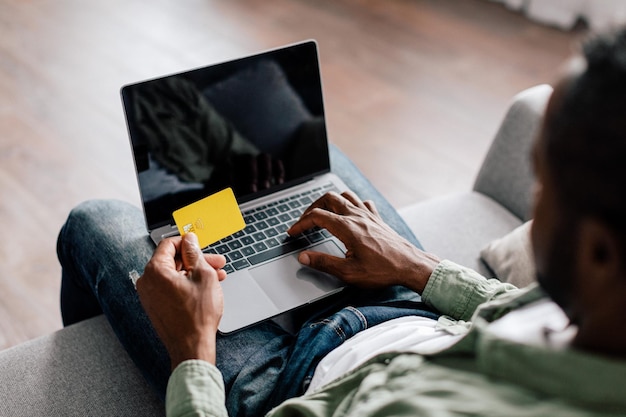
(289, 284)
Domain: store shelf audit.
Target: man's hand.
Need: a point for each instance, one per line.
(182, 296)
(376, 255)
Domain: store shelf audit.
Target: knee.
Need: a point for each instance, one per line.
(95, 219)
(98, 209)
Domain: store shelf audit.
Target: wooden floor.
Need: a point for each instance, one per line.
(414, 91)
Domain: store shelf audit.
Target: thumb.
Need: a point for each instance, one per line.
(322, 262)
(190, 252)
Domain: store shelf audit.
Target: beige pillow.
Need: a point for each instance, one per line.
(511, 257)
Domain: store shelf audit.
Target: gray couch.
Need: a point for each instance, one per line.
(82, 370)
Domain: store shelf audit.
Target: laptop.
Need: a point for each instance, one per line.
(255, 124)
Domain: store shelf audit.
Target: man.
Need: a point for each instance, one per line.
(556, 349)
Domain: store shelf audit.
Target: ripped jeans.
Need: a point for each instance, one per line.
(103, 241)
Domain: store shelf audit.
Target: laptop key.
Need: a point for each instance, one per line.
(271, 243)
(235, 255)
(288, 247)
(222, 249)
(247, 251)
(260, 216)
(247, 240)
(235, 245)
(259, 236)
(316, 237)
(228, 268)
(240, 264)
(259, 246)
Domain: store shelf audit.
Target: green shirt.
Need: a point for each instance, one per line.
(481, 375)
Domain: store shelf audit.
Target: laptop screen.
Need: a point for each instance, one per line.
(255, 124)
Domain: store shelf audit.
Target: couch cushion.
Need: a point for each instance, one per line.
(78, 371)
(511, 257)
(458, 226)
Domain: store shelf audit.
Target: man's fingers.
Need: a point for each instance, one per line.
(167, 248)
(354, 199)
(365, 205)
(164, 257)
(369, 204)
(332, 202)
(314, 218)
(322, 262)
(217, 262)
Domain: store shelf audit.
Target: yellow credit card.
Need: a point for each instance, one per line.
(212, 218)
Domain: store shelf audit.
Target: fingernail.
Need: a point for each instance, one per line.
(304, 258)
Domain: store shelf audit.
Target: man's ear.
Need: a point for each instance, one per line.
(600, 253)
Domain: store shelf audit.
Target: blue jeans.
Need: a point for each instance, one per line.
(102, 241)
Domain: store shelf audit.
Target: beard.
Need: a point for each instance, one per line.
(559, 279)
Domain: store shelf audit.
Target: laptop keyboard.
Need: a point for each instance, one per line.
(265, 235)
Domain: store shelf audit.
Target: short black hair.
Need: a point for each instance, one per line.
(585, 137)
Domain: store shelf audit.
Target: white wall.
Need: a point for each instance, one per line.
(599, 14)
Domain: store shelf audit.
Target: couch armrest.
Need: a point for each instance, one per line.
(81, 370)
(504, 175)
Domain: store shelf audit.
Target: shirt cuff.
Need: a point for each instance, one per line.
(195, 388)
(457, 291)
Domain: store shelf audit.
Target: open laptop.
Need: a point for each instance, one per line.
(255, 124)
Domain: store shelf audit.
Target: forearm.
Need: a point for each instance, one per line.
(195, 388)
(457, 291)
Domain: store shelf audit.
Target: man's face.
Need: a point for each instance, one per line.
(554, 231)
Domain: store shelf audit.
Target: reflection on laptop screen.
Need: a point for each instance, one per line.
(255, 124)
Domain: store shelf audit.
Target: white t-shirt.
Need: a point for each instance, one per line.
(401, 334)
(540, 323)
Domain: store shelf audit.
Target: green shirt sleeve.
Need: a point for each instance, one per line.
(457, 291)
(195, 388)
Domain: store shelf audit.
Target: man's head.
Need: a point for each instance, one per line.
(579, 232)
